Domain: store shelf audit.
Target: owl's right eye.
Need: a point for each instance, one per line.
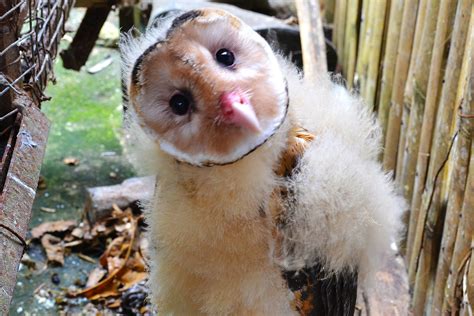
(225, 57)
(179, 104)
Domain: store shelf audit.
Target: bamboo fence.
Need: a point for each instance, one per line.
(411, 60)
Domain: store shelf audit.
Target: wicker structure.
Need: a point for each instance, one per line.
(30, 31)
(412, 62)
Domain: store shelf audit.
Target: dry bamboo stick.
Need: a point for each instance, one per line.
(421, 165)
(415, 92)
(341, 25)
(401, 71)
(458, 178)
(374, 50)
(336, 25)
(441, 140)
(312, 39)
(470, 278)
(423, 98)
(358, 76)
(329, 11)
(429, 226)
(463, 239)
(408, 93)
(414, 100)
(351, 41)
(389, 63)
(383, 51)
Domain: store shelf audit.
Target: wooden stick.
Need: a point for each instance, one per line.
(408, 92)
(312, 39)
(463, 240)
(426, 92)
(430, 214)
(341, 25)
(458, 178)
(389, 63)
(419, 63)
(379, 9)
(329, 11)
(466, 132)
(351, 41)
(336, 25)
(401, 71)
(358, 76)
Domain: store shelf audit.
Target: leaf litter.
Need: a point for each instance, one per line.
(117, 283)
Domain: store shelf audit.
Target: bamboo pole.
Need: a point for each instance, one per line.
(414, 101)
(470, 278)
(430, 217)
(336, 25)
(358, 76)
(413, 112)
(374, 50)
(458, 178)
(329, 11)
(466, 221)
(351, 38)
(312, 39)
(425, 97)
(389, 63)
(408, 93)
(401, 71)
(463, 239)
(341, 25)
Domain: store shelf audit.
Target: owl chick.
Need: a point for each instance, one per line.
(269, 198)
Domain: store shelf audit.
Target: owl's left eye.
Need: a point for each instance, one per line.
(225, 57)
(179, 104)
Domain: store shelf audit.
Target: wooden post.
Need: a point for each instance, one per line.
(9, 56)
(77, 53)
(389, 63)
(401, 72)
(312, 39)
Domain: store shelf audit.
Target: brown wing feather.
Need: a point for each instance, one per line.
(315, 291)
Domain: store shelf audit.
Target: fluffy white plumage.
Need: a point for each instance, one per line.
(213, 253)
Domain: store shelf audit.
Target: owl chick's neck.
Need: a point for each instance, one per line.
(249, 181)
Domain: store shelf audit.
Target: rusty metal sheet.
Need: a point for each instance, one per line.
(18, 195)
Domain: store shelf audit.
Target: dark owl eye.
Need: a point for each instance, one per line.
(179, 104)
(225, 57)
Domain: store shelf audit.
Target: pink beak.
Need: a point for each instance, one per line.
(236, 109)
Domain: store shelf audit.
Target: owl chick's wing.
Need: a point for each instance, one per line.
(315, 291)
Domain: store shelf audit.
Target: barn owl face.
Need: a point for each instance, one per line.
(211, 91)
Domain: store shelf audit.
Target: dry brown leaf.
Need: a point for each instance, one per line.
(52, 227)
(78, 232)
(27, 261)
(114, 263)
(130, 278)
(110, 290)
(137, 263)
(122, 227)
(86, 258)
(114, 303)
(48, 209)
(114, 249)
(95, 276)
(54, 248)
(73, 243)
(110, 282)
(144, 249)
(71, 161)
